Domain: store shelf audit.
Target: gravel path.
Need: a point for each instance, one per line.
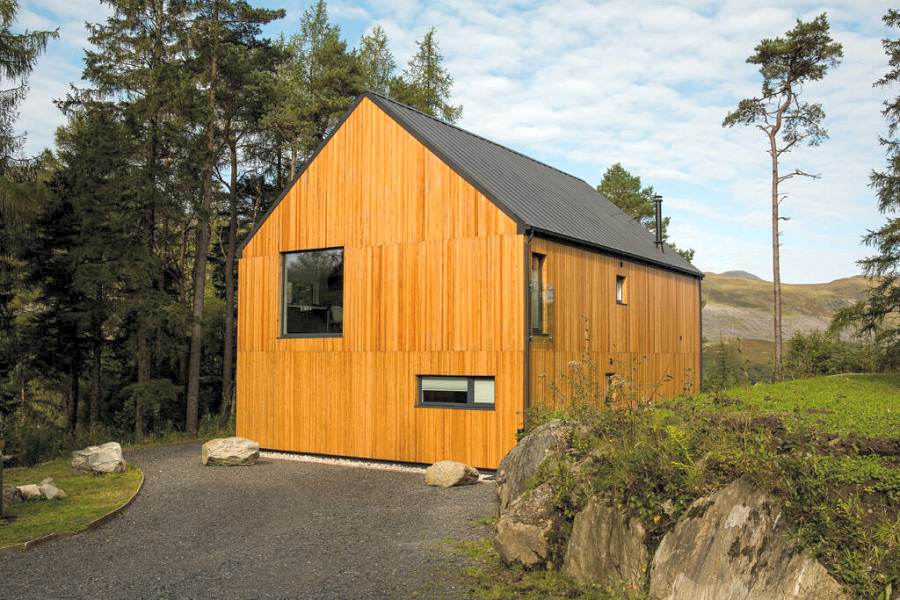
(281, 529)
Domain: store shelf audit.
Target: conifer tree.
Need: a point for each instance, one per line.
(377, 60)
(625, 191)
(426, 83)
(877, 313)
(219, 28)
(805, 54)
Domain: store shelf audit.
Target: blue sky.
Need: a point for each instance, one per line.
(582, 85)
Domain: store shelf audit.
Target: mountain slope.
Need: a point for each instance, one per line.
(738, 306)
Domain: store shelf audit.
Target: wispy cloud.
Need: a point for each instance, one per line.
(584, 84)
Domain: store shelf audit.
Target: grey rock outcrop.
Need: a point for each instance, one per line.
(606, 548)
(106, 458)
(731, 545)
(526, 532)
(522, 462)
(230, 452)
(448, 473)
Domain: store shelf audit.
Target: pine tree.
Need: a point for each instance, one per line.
(21, 186)
(426, 84)
(220, 28)
(376, 60)
(625, 191)
(877, 313)
(805, 54)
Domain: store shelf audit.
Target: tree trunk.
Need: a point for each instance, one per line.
(293, 161)
(228, 352)
(776, 259)
(202, 245)
(96, 356)
(74, 382)
(143, 369)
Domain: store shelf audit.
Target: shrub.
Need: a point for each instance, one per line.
(824, 353)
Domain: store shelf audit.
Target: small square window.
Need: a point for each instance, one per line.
(621, 290)
(455, 392)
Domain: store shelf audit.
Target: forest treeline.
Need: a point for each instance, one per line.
(117, 264)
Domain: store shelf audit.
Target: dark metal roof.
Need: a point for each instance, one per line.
(537, 196)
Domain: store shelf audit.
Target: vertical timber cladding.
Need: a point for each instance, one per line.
(651, 343)
(432, 285)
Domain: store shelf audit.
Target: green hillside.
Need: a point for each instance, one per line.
(738, 312)
(740, 306)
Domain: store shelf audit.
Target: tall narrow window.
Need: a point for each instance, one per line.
(313, 293)
(537, 294)
(621, 291)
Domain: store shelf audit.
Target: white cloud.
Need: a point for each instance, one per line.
(581, 85)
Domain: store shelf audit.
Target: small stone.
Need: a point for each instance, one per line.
(106, 458)
(230, 452)
(46, 481)
(50, 491)
(448, 473)
(29, 492)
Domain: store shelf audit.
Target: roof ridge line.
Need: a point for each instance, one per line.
(466, 131)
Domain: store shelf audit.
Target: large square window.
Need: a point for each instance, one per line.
(313, 293)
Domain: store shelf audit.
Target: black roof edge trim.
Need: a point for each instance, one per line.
(549, 235)
(309, 161)
(378, 99)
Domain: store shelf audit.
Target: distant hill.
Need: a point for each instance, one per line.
(741, 274)
(739, 305)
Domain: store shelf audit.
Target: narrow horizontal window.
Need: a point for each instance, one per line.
(455, 392)
(313, 293)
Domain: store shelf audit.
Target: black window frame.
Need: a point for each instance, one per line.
(470, 403)
(282, 324)
(537, 259)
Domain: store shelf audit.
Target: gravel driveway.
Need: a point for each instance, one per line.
(281, 529)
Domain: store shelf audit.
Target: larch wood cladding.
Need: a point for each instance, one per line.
(433, 285)
(651, 343)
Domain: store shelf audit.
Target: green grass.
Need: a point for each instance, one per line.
(495, 581)
(861, 404)
(656, 460)
(89, 498)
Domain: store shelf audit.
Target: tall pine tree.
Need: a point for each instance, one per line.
(426, 83)
(878, 314)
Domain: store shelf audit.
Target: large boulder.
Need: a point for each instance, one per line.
(606, 548)
(230, 452)
(527, 532)
(106, 458)
(733, 545)
(50, 491)
(448, 473)
(29, 492)
(522, 462)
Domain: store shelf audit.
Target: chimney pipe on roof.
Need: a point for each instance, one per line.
(657, 200)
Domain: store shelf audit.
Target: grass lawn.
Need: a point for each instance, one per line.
(89, 498)
(862, 404)
(822, 447)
